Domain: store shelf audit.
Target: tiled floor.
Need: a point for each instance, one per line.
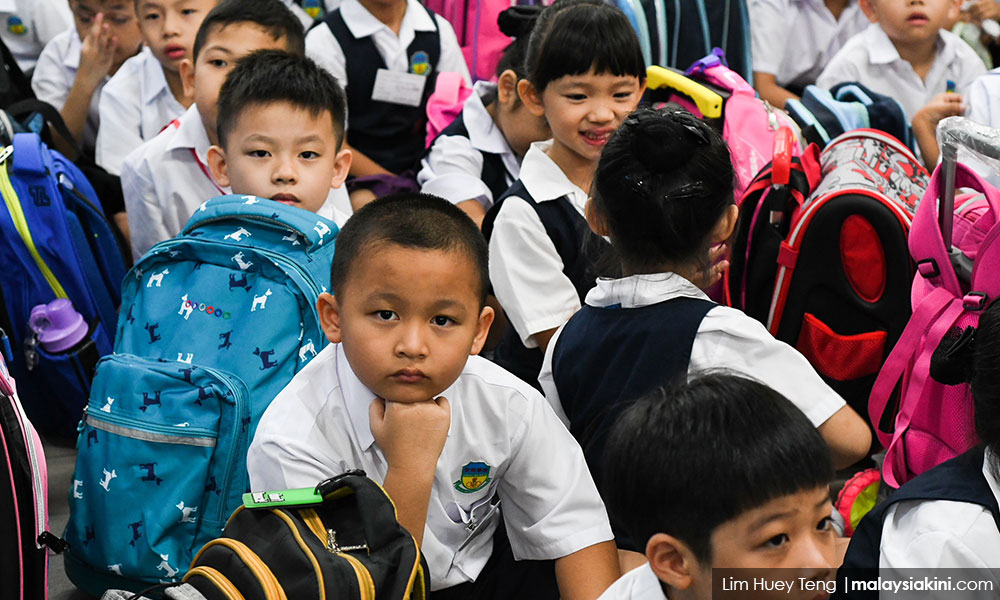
(60, 456)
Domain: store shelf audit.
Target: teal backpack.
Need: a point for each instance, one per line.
(213, 324)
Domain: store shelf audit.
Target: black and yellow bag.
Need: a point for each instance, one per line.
(340, 540)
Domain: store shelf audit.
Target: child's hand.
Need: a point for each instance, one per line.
(411, 435)
(718, 259)
(983, 9)
(947, 104)
(97, 52)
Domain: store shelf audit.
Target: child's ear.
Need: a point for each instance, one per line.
(217, 165)
(868, 7)
(342, 167)
(531, 98)
(724, 228)
(672, 561)
(187, 77)
(486, 317)
(329, 316)
(507, 87)
(595, 218)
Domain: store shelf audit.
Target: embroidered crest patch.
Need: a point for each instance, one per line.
(420, 63)
(16, 26)
(474, 476)
(313, 8)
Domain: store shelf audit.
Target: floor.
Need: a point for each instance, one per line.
(60, 456)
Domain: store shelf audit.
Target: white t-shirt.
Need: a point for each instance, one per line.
(318, 427)
(726, 339)
(136, 104)
(26, 26)
(871, 59)
(525, 268)
(453, 167)
(638, 584)
(796, 60)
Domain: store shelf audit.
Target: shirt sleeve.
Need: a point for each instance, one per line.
(322, 47)
(119, 133)
(550, 503)
(283, 463)
(546, 378)
(452, 58)
(767, 18)
(145, 216)
(527, 273)
(979, 101)
(938, 534)
(51, 81)
(453, 170)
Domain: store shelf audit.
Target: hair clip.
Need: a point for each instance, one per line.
(636, 184)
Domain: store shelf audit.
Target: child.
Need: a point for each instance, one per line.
(585, 74)
(167, 178)
(281, 128)
(754, 495)
(784, 64)
(663, 193)
(384, 52)
(76, 64)
(476, 158)
(147, 93)
(26, 26)
(450, 436)
(908, 54)
(948, 517)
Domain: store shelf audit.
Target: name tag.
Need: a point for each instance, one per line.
(398, 88)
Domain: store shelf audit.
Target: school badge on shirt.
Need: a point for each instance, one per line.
(474, 476)
(313, 8)
(16, 26)
(420, 63)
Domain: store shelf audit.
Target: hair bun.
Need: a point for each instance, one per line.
(662, 138)
(518, 21)
(952, 361)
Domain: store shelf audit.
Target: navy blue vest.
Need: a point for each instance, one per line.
(393, 135)
(959, 479)
(494, 173)
(578, 248)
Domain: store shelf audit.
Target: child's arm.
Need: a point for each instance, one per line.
(948, 104)
(411, 437)
(119, 133)
(768, 88)
(97, 54)
(847, 435)
(585, 574)
(362, 166)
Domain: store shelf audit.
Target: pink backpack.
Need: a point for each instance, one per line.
(475, 24)
(445, 103)
(934, 421)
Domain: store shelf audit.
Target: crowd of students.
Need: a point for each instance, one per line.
(583, 466)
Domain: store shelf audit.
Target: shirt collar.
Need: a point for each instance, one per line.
(154, 81)
(636, 291)
(71, 60)
(362, 23)
(543, 178)
(484, 135)
(191, 134)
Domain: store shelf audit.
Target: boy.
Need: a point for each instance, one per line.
(147, 93)
(384, 53)
(167, 178)
(908, 54)
(76, 64)
(720, 472)
(449, 436)
(281, 130)
(26, 26)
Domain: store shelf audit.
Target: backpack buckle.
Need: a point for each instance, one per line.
(974, 301)
(928, 268)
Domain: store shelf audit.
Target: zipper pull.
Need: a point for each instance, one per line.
(8, 354)
(5, 153)
(52, 542)
(31, 352)
(335, 548)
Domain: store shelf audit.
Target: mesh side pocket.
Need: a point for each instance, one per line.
(840, 357)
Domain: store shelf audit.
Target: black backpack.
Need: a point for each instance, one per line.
(14, 84)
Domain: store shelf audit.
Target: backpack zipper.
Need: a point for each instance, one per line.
(218, 580)
(260, 570)
(150, 432)
(21, 223)
(328, 537)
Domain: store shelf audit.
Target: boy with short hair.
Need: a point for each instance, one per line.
(909, 54)
(147, 93)
(167, 178)
(26, 26)
(720, 472)
(281, 132)
(452, 437)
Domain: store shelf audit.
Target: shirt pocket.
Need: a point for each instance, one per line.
(480, 519)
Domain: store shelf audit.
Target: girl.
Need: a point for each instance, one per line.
(663, 193)
(475, 159)
(585, 75)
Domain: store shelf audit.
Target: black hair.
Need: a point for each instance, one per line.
(664, 180)
(411, 220)
(516, 22)
(571, 37)
(270, 15)
(267, 76)
(684, 459)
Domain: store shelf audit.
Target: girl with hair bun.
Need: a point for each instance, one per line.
(663, 194)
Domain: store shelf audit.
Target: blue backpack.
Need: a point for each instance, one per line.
(214, 323)
(55, 242)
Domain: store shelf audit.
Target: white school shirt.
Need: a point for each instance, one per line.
(453, 167)
(318, 427)
(525, 268)
(136, 104)
(983, 99)
(871, 59)
(943, 533)
(303, 16)
(638, 584)
(55, 73)
(322, 46)
(796, 60)
(726, 339)
(26, 26)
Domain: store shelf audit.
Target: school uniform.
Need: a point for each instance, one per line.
(504, 443)
(870, 58)
(370, 61)
(308, 11)
(541, 251)
(26, 26)
(136, 104)
(638, 584)
(794, 39)
(470, 159)
(983, 99)
(54, 75)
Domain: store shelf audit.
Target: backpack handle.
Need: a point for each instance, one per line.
(314, 229)
(378, 514)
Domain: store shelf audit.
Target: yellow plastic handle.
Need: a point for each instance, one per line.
(707, 101)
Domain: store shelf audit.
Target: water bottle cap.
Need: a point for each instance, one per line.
(58, 326)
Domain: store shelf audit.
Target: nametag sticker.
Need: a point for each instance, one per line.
(296, 497)
(399, 88)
